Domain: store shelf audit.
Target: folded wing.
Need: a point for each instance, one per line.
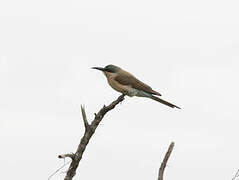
(132, 81)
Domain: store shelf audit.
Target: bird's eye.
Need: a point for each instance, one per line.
(108, 70)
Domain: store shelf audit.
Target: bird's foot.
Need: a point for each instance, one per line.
(122, 96)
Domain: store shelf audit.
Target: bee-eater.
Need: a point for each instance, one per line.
(125, 83)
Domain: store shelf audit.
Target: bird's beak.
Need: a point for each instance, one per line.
(99, 68)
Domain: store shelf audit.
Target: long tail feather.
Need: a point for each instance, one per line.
(164, 102)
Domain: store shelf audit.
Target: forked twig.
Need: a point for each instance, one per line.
(89, 131)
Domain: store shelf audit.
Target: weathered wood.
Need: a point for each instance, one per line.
(165, 160)
(89, 131)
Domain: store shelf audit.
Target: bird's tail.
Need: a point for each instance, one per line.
(164, 102)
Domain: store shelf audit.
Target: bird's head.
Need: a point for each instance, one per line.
(108, 70)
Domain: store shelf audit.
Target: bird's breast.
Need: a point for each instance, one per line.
(125, 89)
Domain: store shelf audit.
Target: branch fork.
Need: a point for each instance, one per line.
(89, 131)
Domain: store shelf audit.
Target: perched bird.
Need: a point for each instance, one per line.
(124, 82)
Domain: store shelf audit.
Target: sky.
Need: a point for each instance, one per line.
(186, 50)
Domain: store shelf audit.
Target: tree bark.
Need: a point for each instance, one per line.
(89, 131)
(165, 160)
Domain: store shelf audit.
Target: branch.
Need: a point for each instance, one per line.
(89, 131)
(236, 175)
(165, 160)
(66, 155)
(58, 170)
(84, 117)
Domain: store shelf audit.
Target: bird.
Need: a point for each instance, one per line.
(127, 84)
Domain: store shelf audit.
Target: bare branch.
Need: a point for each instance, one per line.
(236, 175)
(66, 155)
(89, 131)
(165, 160)
(84, 117)
(58, 170)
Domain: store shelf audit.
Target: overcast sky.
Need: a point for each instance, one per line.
(186, 50)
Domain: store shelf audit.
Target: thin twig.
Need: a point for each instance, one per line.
(84, 117)
(58, 170)
(89, 131)
(165, 160)
(66, 155)
(236, 175)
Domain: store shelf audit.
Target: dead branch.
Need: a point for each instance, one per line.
(89, 131)
(84, 117)
(236, 175)
(66, 155)
(58, 170)
(165, 160)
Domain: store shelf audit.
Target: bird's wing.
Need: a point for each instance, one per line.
(132, 81)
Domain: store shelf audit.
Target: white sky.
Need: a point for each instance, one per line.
(186, 50)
